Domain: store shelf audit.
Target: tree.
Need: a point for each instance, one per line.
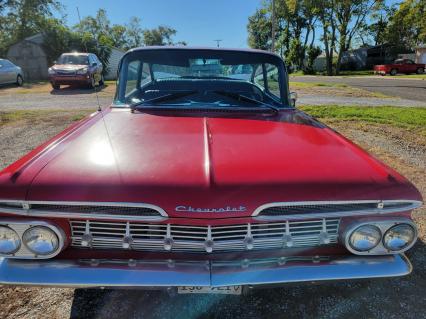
(22, 18)
(295, 24)
(29, 16)
(350, 16)
(134, 33)
(311, 54)
(259, 29)
(407, 26)
(159, 36)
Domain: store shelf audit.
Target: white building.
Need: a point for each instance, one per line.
(421, 54)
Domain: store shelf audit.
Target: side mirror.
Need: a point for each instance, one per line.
(293, 99)
(54, 62)
(94, 64)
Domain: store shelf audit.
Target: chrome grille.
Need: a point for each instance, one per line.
(104, 209)
(165, 237)
(296, 210)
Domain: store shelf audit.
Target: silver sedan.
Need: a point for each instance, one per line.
(10, 73)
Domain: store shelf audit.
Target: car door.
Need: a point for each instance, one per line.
(99, 66)
(8, 72)
(94, 67)
(410, 67)
(2, 72)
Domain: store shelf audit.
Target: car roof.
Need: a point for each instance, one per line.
(203, 48)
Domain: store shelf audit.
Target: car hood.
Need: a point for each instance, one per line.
(209, 162)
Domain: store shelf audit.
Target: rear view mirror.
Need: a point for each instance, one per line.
(293, 99)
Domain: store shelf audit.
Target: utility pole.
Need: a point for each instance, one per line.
(273, 27)
(218, 42)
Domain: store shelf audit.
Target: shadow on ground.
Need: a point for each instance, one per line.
(381, 298)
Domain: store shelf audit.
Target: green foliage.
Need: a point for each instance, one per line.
(259, 29)
(311, 54)
(159, 36)
(414, 118)
(407, 25)
(22, 18)
(292, 57)
(59, 39)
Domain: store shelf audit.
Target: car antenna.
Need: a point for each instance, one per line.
(97, 97)
(85, 46)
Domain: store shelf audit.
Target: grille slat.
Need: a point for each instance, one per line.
(151, 237)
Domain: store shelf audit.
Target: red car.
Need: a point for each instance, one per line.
(76, 69)
(200, 181)
(400, 66)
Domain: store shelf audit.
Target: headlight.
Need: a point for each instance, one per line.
(9, 241)
(41, 240)
(82, 71)
(399, 237)
(51, 71)
(365, 238)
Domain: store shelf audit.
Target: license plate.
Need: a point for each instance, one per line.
(226, 290)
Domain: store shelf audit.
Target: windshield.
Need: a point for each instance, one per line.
(73, 59)
(201, 78)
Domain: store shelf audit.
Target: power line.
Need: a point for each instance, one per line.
(218, 42)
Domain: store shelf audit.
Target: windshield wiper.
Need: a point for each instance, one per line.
(242, 97)
(207, 77)
(165, 97)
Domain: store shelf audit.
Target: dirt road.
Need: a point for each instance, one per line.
(408, 89)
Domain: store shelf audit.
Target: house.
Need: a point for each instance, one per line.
(366, 57)
(421, 54)
(30, 56)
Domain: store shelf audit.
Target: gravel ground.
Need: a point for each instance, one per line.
(391, 298)
(41, 96)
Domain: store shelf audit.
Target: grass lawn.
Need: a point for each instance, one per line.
(329, 88)
(411, 118)
(316, 84)
(28, 116)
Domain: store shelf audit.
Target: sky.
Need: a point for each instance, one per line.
(198, 22)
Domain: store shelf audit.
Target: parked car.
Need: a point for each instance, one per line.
(10, 73)
(76, 69)
(400, 66)
(202, 182)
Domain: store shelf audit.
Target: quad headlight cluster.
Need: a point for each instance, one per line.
(30, 240)
(381, 237)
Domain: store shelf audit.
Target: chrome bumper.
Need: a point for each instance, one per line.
(115, 273)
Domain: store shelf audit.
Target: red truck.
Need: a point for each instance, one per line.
(400, 66)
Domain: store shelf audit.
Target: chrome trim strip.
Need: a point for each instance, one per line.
(40, 213)
(384, 226)
(21, 226)
(72, 273)
(411, 204)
